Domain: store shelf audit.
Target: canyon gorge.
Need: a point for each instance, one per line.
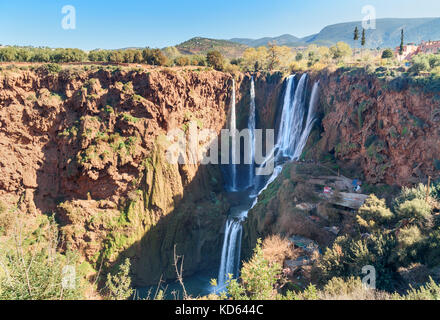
(88, 147)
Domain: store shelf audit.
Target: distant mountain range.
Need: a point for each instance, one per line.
(386, 35)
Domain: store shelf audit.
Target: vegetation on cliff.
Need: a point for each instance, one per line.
(401, 243)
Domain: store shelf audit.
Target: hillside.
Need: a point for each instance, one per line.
(386, 34)
(200, 45)
(284, 40)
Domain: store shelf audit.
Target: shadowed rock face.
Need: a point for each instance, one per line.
(89, 147)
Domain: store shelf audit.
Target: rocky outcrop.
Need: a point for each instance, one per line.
(89, 146)
(390, 128)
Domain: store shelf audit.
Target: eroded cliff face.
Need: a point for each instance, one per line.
(388, 128)
(383, 131)
(89, 146)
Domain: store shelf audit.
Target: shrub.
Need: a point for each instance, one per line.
(276, 249)
(418, 192)
(420, 63)
(49, 68)
(33, 270)
(339, 286)
(258, 278)
(430, 291)
(416, 210)
(409, 241)
(348, 256)
(387, 54)
(215, 60)
(374, 213)
(119, 284)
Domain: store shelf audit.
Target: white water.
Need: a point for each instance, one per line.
(251, 127)
(233, 128)
(231, 249)
(290, 144)
(293, 114)
(311, 118)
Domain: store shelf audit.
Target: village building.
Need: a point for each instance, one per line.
(412, 49)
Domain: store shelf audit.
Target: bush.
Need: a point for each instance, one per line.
(182, 61)
(430, 291)
(387, 54)
(50, 68)
(215, 60)
(32, 269)
(348, 256)
(418, 192)
(416, 210)
(409, 241)
(258, 278)
(374, 213)
(119, 285)
(277, 249)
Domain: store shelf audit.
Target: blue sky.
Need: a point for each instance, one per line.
(138, 23)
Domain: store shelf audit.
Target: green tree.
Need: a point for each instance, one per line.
(340, 51)
(387, 54)
(154, 57)
(416, 210)
(364, 38)
(258, 278)
(402, 39)
(182, 61)
(273, 56)
(215, 60)
(374, 213)
(119, 285)
(356, 36)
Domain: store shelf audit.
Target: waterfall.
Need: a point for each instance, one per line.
(233, 130)
(292, 119)
(251, 127)
(311, 118)
(284, 123)
(231, 251)
(292, 138)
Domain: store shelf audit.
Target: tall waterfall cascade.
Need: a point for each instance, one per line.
(252, 123)
(233, 130)
(293, 133)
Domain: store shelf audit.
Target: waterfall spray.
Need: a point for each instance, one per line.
(292, 138)
(233, 128)
(311, 118)
(251, 127)
(293, 111)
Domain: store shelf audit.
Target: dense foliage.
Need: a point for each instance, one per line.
(389, 239)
